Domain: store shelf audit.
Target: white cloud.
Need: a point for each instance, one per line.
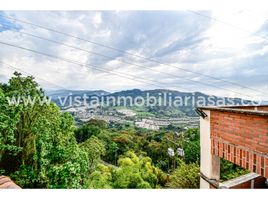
(97, 19)
(226, 47)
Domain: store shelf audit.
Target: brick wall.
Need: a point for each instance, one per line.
(242, 139)
(264, 108)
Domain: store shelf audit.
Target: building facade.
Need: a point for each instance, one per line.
(237, 134)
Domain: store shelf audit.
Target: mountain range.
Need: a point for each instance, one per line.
(187, 108)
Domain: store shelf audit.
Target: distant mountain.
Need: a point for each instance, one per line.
(131, 93)
(155, 93)
(63, 93)
(189, 99)
(173, 94)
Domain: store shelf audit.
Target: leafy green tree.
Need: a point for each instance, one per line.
(191, 145)
(135, 172)
(185, 176)
(192, 152)
(112, 152)
(9, 117)
(92, 127)
(192, 134)
(94, 149)
(158, 153)
(124, 141)
(85, 132)
(98, 123)
(101, 178)
(40, 141)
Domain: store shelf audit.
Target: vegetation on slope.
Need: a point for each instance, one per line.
(40, 147)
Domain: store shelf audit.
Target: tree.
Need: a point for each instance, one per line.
(185, 176)
(92, 127)
(192, 152)
(192, 134)
(40, 141)
(98, 123)
(101, 177)
(124, 141)
(85, 132)
(94, 149)
(112, 152)
(191, 145)
(9, 117)
(132, 172)
(135, 172)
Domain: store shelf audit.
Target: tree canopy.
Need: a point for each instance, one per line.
(38, 139)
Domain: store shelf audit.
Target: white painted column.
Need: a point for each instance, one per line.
(210, 164)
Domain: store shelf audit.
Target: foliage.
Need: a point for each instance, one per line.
(192, 134)
(229, 170)
(185, 176)
(9, 117)
(100, 178)
(132, 172)
(40, 141)
(191, 145)
(85, 132)
(192, 152)
(94, 149)
(98, 123)
(112, 152)
(137, 172)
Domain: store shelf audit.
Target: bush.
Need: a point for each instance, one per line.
(230, 170)
(185, 176)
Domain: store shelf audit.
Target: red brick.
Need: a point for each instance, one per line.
(240, 132)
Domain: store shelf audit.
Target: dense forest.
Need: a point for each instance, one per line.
(42, 147)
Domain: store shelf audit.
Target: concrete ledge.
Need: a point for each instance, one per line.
(239, 180)
(7, 183)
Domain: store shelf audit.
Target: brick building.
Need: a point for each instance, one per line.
(237, 134)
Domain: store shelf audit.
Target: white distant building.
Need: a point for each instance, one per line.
(71, 110)
(127, 112)
(148, 124)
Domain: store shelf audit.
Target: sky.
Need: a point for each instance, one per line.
(222, 53)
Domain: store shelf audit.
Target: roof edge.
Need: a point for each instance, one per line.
(235, 110)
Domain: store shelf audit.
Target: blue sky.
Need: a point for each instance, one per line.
(233, 47)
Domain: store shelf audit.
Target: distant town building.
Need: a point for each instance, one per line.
(148, 124)
(127, 112)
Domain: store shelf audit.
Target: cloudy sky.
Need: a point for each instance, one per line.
(216, 52)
